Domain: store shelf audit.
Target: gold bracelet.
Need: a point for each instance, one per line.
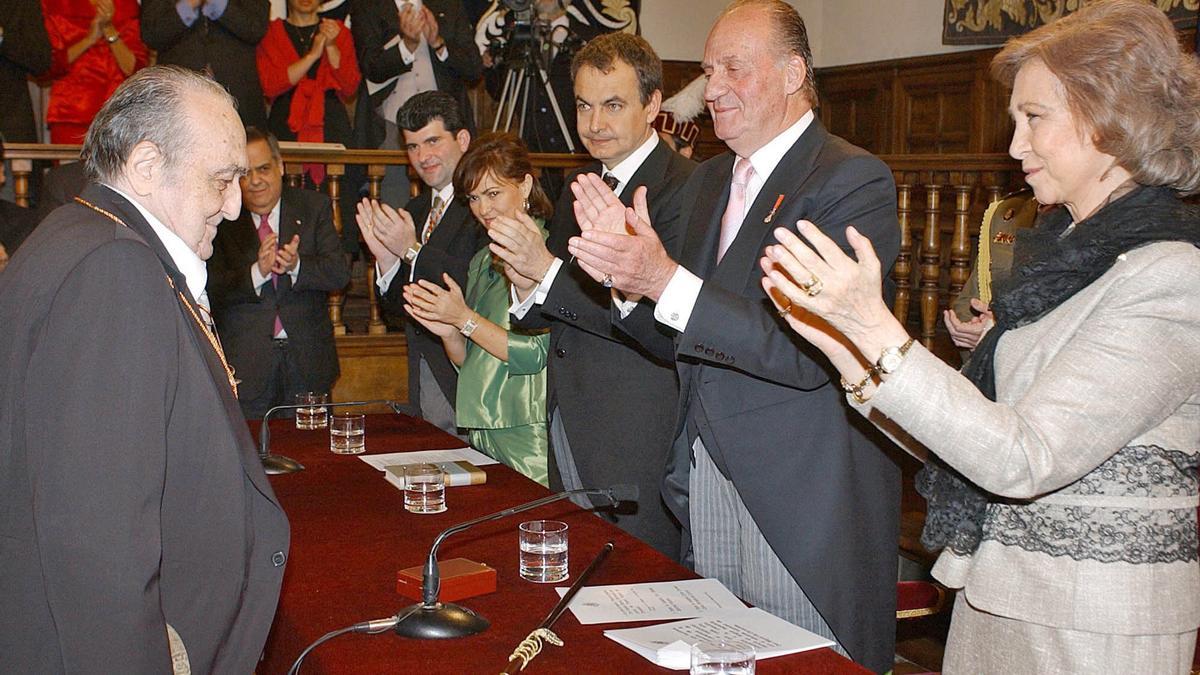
(856, 390)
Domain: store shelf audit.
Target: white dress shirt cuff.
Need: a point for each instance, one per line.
(443, 53)
(383, 280)
(257, 279)
(295, 272)
(406, 56)
(625, 307)
(678, 299)
(521, 307)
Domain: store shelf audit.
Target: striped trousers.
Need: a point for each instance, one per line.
(729, 547)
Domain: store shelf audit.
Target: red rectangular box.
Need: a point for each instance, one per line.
(461, 578)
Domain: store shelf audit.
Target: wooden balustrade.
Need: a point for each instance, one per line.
(936, 242)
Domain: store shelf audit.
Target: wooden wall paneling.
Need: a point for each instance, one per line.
(858, 108)
(373, 367)
(934, 109)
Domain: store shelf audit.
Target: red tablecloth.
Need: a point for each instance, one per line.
(350, 534)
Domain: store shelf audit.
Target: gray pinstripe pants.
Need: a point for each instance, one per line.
(728, 546)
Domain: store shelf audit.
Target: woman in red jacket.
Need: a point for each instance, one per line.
(308, 70)
(95, 45)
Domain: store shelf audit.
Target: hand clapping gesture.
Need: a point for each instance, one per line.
(442, 311)
(519, 243)
(388, 232)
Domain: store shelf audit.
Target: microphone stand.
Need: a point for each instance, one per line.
(430, 619)
(278, 464)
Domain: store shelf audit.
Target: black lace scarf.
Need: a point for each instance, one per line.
(1051, 262)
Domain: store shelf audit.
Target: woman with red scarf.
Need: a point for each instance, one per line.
(95, 45)
(308, 70)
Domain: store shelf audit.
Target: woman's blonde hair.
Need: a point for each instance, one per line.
(1126, 79)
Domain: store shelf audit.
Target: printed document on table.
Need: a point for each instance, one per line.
(651, 602)
(422, 456)
(670, 644)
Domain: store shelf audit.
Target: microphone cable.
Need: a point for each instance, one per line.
(369, 627)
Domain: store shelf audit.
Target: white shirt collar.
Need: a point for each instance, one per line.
(627, 167)
(765, 159)
(272, 217)
(194, 270)
(446, 193)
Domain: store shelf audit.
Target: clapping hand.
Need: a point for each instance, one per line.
(519, 243)
(388, 232)
(287, 257)
(412, 25)
(441, 310)
(967, 334)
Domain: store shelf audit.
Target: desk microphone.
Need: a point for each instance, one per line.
(430, 619)
(277, 464)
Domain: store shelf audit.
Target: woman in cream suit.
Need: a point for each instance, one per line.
(1061, 473)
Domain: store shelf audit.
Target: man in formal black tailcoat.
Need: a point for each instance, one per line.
(434, 234)
(612, 403)
(215, 36)
(269, 280)
(786, 494)
(24, 52)
(138, 532)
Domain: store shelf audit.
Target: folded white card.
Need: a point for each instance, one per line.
(380, 462)
(670, 644)
(650, 602)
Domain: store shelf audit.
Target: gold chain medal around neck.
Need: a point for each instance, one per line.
(208, 333)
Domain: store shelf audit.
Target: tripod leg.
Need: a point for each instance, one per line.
(504, 96)
(512, 102)
(562, 124)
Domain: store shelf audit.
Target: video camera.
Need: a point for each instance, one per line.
(527, 41)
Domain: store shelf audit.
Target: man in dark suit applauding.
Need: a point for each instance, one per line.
(786, 498)
(611, 402)
(138, 532)
(433, 234)
(269, 280)
(215, 36)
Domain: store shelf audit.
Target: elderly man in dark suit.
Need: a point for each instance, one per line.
(434, 234)
(138, 531)
(269, 280)
(611, 402)
(215, 36)
(787, 500)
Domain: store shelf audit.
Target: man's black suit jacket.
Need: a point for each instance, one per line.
(452, 244)
(131, 494)
(246, 319)
(225, 47)
(25, 51)
(376, 23)
(616, 401)
(769, 407)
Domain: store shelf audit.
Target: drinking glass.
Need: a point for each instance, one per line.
(348, 434)
(424, 488)
(722, 658)
(544, 551)
(315, 416)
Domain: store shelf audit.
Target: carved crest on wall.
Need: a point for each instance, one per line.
(987, 22)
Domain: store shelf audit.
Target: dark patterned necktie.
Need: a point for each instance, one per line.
(610, 180)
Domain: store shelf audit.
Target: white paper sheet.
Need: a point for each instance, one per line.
(421, 456)
(670, 644)
(650, 602)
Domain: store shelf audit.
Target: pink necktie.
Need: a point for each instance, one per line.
(264, 231)
(731, 222)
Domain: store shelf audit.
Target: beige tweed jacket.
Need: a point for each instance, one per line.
(1095, 440)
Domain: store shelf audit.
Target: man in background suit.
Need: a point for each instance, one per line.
(786, 497)
(433, 234)
(215, 36)
(426, 46)
(60, 186)
(611, 403)
(24, 52)
(138, 531)
(269, 280)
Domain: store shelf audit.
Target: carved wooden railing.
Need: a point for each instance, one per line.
(936, 246)
(936, 241)
(22, 156)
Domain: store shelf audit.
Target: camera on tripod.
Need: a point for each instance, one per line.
(524, 49)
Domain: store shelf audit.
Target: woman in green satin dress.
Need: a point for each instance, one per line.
(501, 398)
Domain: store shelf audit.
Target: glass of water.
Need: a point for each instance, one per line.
(424, 488)
(315, 416)
(544, 551)
(348, 434)
(722, 658)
